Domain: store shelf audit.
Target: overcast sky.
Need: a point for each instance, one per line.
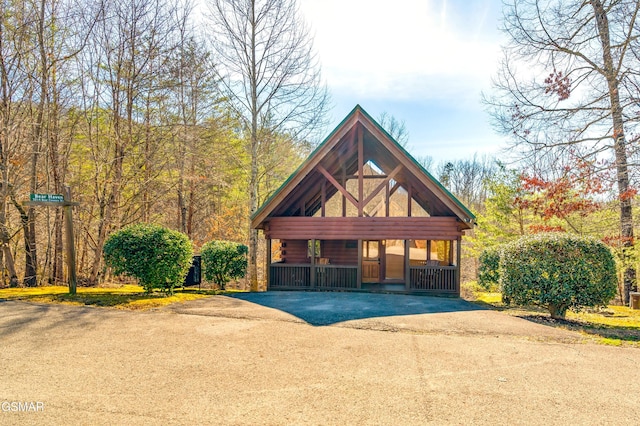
(423, 61)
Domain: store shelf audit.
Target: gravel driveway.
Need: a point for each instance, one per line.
(270, 359)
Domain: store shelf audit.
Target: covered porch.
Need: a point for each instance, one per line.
(419, 255)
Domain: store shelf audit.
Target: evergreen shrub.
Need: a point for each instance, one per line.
(223, 261)
(157, 256)
(489, 269)
(557, 271)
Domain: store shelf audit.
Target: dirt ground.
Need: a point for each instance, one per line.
(259, 360)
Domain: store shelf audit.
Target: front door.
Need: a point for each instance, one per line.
(371, 256)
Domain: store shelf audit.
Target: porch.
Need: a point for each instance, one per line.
(403, 266)
(423, 279)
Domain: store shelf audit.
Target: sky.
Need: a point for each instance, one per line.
(425, 62)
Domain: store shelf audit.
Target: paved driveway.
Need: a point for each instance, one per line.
(254, 359)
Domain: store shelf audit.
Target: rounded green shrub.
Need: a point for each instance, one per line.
(223, 261)
(489, 269)
(157, 256)
(557, 271)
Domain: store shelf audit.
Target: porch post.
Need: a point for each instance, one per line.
(268, 271)
(359, 273)
(458, 251)
(407, 263)
(312, 272)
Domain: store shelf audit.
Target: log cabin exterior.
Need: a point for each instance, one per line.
(361, 214)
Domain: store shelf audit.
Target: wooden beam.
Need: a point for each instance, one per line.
(386, 200)
(268, 271)
(312, 273)
(339, 187)
(409, 198)
(323, 198)
(395, 188)
(359, 271)
(458, 256)
(407, 263)
(366, 177)
(382, 185)
(360, 171)
(344, 199)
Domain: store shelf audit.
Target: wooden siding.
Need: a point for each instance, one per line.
(338, 253)
(340, 228)
(295, 251)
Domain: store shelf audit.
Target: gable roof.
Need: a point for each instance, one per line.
(338, 155)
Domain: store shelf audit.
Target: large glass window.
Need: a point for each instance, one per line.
(431, 252)
(394, 259)
(441, 251)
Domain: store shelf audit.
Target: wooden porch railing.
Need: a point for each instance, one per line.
(285, 275)
(433, 278)
(336, 276)
(437, 279)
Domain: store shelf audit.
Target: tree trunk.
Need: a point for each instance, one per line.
(253, 183)
(558, 311)
(622, 173)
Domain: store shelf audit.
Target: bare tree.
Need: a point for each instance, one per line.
(194, 95)
(467, 179)
(118, 74)
(265, 53)
(396, 128)
(569, 82)
(15, 97)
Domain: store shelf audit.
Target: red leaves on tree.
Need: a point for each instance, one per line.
(628, 194)
(558, 84)
(537, 229)
(561, 197)
(618, 241)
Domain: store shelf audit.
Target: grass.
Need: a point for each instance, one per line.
(612, 325)
(130, 297)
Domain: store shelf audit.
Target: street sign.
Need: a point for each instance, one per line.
(59, 200)
(47, 198)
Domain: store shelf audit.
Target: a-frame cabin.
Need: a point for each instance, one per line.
(361, 214)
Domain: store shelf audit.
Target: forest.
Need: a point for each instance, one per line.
(191, 115)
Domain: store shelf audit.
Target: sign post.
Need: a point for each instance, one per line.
(71, 247)
(62, 200)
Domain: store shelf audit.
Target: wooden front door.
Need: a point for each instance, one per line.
(371, 256)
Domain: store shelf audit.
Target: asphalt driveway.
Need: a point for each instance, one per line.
(263, 359)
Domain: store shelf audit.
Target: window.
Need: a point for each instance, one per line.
(317, 248)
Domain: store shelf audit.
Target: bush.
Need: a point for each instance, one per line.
(158, 257)
(489, 269)
(558, 272)
(224, 261)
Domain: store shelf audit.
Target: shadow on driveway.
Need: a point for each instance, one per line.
(326, 308)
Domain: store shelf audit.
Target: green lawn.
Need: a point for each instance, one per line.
(612, 325)
(121, 297)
